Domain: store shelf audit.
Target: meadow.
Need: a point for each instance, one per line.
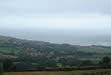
(81, 72)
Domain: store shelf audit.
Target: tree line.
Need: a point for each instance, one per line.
(8, 65)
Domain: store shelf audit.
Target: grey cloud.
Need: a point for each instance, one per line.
(91, 16)
(43, 6)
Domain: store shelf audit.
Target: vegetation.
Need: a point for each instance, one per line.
(86, 72)
(28, 55)
(1, 69)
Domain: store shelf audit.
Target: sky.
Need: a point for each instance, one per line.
(80, 22)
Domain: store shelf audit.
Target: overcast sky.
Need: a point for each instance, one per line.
(58, 21)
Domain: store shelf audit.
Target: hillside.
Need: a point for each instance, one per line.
(35, 54)
(10, 46)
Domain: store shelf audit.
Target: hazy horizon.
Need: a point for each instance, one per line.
(81, 22)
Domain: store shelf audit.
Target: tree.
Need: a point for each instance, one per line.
(86, 62)
(63, 61)
(106, 60)
(1, 69)
(7, 64)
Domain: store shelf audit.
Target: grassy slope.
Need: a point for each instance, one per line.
(57, 73)
(95, 50)
(9, 50)
(87, 50)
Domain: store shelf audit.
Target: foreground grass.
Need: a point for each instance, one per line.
(58, 73)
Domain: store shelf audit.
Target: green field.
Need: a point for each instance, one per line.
(98, 49)
(61, 72)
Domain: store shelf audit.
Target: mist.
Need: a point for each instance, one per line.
(78, 22)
